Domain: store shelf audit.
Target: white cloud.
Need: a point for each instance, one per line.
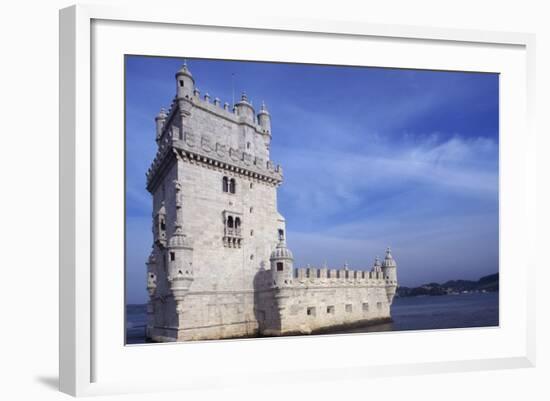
(331, 181)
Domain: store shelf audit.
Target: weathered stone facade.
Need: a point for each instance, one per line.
(219, 266)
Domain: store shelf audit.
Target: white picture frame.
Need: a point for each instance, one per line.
(91, 348)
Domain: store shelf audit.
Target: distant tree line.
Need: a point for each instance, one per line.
(484, 284)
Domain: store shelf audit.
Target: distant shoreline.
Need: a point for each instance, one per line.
(485, 284)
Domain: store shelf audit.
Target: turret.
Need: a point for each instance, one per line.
(281, 265)
(180, 264)
(245, 110)
(151, 290)
(389, 267)
(151, 274)
(184, 82)
(180, 256)
(160, 119)
(264, 119)
(377, 267)
(159, 227)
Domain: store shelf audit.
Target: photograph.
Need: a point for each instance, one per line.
(267, 199)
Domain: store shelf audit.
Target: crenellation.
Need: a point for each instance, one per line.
(220, 266)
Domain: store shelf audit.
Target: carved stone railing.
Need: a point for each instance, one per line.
(326, 276)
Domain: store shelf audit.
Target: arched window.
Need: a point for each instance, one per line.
(232, 185)
(230, 222)
(225, 184)
(237, 222)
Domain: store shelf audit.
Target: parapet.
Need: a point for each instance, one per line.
(307, 276)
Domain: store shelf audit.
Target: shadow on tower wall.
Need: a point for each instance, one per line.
(266, 310)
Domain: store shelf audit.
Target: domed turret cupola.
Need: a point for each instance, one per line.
(160, 119)
(185, 82)
(377, 267)
(264, 119)
(244, 109)
(281, 265)
(389, 267)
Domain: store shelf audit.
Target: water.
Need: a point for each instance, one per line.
(409, 313)
(136, 319)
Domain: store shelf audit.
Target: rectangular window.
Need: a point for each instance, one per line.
(365, 307)
(279, 266)
(311, 311)
(172, 256)
(348, 308)
(330, 310)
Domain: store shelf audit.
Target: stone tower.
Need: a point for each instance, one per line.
(215, 219)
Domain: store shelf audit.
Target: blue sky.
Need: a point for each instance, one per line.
(372, 157)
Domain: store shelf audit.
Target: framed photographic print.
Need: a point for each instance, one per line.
(246, 191)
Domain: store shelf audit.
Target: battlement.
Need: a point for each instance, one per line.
(204, 131)
(326, 276)
(216, 155)
(215, 108)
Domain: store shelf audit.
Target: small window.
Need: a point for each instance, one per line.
(251, 233)
(225, 184)
(330, 310)
(365, 307)
(281, 234)
(280, 266)
(251, 257)
(251, 185)
(248, 145)
(232, 186)
(311, 311)
(172, 256)
(348, 308)
(162, 225)
(251, 209)
(181, 83)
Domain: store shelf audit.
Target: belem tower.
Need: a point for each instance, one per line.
(220, 266)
